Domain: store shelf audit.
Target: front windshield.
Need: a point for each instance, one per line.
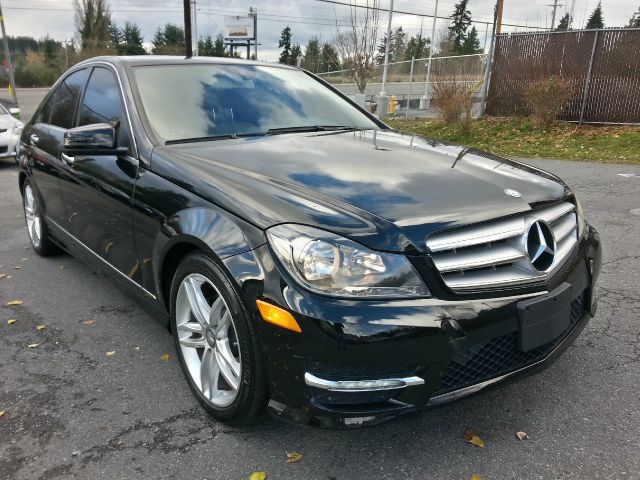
(3, 110)
(187, 102)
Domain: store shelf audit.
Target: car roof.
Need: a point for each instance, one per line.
(146, 60)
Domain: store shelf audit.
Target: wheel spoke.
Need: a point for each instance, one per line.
(192, 327)
(36, 225)
(193, 342)
(222, 327)
(229, 367)
(207, 372)
(197, 302)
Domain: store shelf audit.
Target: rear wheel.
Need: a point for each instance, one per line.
(36, 227)
(216, 343)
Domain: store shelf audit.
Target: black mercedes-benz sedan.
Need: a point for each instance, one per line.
(304, 255)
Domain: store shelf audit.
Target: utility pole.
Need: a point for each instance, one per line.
(254, 11)
(194, 16)
(66, 54)
(487, 71)
(383, 99)
(7, 55)
(424, 101)
(498, 21)
(555, 6)
(188, 38)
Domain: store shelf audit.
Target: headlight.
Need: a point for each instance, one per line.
(17, 130)
(581, 222)
(332, 265)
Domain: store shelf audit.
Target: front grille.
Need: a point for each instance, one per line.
(494, 254)
(4, 149)
(501, 355)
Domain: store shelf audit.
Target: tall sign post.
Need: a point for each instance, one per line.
(240, 31)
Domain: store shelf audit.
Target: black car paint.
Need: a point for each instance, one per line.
(135, 216)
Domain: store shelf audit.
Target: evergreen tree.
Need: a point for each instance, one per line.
(285, 44)
(417, 47)
(296, 52)
(132, 40)
(635, 20)
(207, 47)
(564, 22)
(596, 20)
(312, 55)
(115, 35)
(461, 19)
(471, 43)
(169, 40)
(329, 58)
(396, 49)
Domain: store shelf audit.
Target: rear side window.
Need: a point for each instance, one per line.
(60, 108)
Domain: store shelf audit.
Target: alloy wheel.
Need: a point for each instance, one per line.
(208, 340)
(32, 216)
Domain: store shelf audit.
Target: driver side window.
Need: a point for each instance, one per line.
(102, 103)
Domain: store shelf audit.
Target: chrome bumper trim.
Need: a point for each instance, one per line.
(339, 385)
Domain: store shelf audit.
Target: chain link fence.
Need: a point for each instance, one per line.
(603, 67)
(410, 80)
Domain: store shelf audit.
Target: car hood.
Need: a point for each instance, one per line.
(385, 189)
(8, 121)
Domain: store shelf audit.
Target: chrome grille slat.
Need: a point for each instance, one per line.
(497, 255)
(493, 254)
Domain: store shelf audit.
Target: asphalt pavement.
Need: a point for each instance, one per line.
(71, 411)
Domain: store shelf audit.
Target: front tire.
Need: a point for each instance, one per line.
(217, 345)
(36, 227)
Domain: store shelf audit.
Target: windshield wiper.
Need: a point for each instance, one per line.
(211, 138)
(313, 128)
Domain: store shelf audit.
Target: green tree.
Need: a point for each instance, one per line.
(312, 55)
(460, 21)
(596, 20)
(330, 61)
(417, 47)
(564, 22)
(635, 20)
(93, 22)
(208, 47)
(115, 35)
(169, 40)
(132, 40)
(285, 44)
(296, 52)
(471, 43)
(397, 48)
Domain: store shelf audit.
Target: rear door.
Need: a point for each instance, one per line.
(44, 141)
(99, 192)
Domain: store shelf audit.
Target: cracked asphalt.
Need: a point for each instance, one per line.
(73, 412)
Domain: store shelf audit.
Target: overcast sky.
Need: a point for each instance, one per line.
(306, 18)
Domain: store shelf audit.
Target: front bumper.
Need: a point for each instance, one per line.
(441, 349)
(8, 143)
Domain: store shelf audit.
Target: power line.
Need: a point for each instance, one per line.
(335, 2)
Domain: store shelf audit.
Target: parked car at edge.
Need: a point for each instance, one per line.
(10, 130)
(304, 255)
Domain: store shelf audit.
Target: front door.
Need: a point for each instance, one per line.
(99, 194)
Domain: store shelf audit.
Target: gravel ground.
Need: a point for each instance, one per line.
(74, 412)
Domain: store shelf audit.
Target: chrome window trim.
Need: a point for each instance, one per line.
(146, 292)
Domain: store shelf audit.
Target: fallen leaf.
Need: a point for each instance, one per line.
(62, 267)
(14, 302)
(89, 322)
(40, 327)
(3, 275)
(258, 476)
(136, 349)
(11, 321)
(473, 438)
(475, 477)
(2, 412)
(33, 345)
(110, 354)
(165, 356)
(25, 259)
(17, 267)
(293, 457)
(522, 436)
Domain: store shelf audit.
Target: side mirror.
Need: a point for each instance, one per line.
(90, 137)
(15, 111)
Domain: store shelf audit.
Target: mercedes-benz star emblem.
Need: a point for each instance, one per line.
(512, 193)
(541, 246)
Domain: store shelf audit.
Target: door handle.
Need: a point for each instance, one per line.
(34, 139)
(68, 160)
